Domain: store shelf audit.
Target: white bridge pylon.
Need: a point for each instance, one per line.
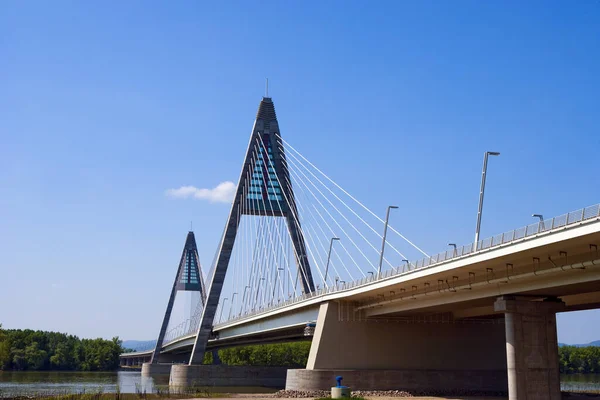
(291, 230)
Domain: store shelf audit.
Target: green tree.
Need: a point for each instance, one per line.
(5, 358)
(61, 358)
(35, 357)
(19, 361)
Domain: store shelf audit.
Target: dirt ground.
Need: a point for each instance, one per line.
(242, 396)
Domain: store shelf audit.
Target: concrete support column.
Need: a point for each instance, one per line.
(216, 358)
(531, 348)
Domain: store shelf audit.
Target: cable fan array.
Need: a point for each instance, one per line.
(342, 238)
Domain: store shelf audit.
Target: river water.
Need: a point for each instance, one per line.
(58, 382)
(12, 383)
(16, 383)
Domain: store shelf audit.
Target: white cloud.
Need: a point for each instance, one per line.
(222, 193)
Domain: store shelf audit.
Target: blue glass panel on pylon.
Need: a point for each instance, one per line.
(189, 278)
(264, 193)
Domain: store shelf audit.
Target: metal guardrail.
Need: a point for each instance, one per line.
(509, 237)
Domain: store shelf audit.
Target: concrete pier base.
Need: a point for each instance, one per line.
(156, 369)
(226, 375)
(426, 381)
(531, 348)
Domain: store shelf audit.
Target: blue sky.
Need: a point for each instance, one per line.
(104, 106)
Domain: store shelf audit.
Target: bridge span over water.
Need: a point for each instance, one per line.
(478, 317)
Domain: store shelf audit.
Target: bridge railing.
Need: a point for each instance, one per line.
(529, 231)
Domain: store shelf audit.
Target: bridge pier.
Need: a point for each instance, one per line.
(226, 375)
(531, 348)
(150, 369)
(426, 354)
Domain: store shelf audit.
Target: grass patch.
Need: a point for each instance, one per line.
(159, 395)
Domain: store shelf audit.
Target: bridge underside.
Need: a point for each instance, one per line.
(286, 334)
(179, 352)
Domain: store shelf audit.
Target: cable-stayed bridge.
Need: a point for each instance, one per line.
(301, 258)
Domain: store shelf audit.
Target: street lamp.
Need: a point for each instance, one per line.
(265, 291)
(404, 260)
(453, 245)
(231, 306)
(276, 282)
(481, 193)
(222, 308)
(541, 223)
(387, 220)
(244, 299)
(328, 258)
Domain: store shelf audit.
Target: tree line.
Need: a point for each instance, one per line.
(39, 350)
(579, 360)
(293, 354)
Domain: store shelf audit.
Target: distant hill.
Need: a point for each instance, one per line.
(139, 345)
(594, 343)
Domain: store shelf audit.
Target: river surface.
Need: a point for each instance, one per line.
(580, 383)
(16, 383)
(59, 382)
(12, 383)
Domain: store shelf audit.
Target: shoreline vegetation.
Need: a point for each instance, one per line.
(291, 354)
(29, 350)
(579, 360)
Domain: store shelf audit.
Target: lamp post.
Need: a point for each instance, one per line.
(328, 258)
(222, 308)
(481, 193)
(244, 299)
(541, 223)
(404, 260)
(276, 282)
(231, 306)
(453, 245)
(387, 220)
(264, 292)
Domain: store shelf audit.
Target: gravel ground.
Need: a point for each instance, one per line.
(297, 394)
(380, 395)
